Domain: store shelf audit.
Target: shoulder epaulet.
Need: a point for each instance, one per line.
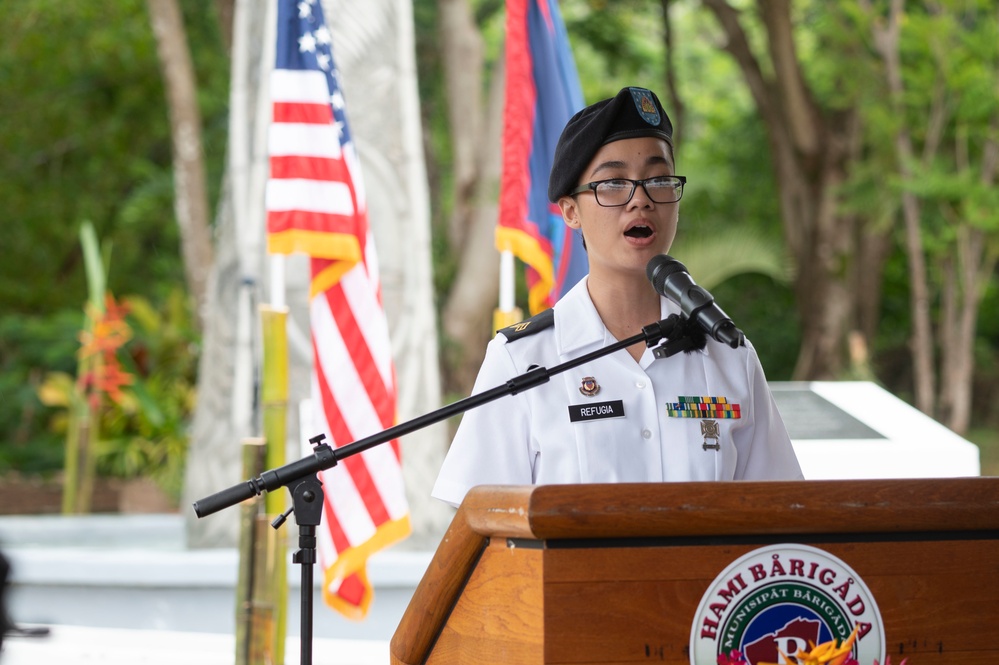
(536, 323)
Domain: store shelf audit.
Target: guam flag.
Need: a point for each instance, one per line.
(542, 93)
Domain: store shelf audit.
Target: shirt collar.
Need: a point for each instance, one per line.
(578, 326)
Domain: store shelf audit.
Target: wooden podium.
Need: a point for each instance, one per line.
(616, 573)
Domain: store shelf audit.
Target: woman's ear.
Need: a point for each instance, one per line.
(570, 211)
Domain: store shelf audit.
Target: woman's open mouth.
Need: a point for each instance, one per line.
(639, 231)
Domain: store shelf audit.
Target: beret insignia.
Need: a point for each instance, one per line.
(645, 106)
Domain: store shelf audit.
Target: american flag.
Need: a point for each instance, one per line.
(315, 204)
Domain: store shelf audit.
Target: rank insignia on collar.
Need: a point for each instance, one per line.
(589, 386)
(710, 430)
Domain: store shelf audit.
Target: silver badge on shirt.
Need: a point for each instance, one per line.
(710, 431)
(589, 386)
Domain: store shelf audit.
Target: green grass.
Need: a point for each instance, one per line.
(987, 441)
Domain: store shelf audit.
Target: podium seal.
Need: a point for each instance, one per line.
(775, 600)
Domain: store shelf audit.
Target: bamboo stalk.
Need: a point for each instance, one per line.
(253, 465)
(265, 645)
(84, 425)
(70, 481)
(274, 401)
(88, 445)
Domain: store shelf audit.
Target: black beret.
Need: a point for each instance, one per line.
(632, 113)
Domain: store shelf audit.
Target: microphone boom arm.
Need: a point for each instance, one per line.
(326, 457)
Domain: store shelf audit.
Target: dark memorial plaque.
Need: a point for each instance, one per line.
(810, 416)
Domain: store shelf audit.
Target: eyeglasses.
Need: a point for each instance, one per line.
(618, 191)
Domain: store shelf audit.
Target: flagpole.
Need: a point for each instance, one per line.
(506, 294)
(277, 288)
(239, 170)
(507, 313)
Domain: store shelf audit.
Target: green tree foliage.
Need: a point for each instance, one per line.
(29, 348)
(84, 134)
(730, 200)
(947, 110)
(436, 141)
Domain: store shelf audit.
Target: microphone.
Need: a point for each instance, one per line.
(670, 278)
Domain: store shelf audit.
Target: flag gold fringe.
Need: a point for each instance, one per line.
(354, 560)
(502, 319)
(526, 248)
(322, 244)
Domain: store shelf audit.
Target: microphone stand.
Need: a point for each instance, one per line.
(301, 479)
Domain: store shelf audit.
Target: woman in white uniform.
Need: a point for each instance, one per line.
(705, 414)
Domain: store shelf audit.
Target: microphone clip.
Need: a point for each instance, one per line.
(685, 336)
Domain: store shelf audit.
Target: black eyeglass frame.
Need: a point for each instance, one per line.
(592, 186)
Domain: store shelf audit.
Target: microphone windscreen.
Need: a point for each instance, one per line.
(659, 268)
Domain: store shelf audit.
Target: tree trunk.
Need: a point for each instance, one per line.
(190, 193)
(676, 106)
(476, 134)
(462, 60)
(961, 301)
(919, 299)
(949, 337)
(226, 10)
(467, 314)
(874, 246)
(886, 40)
(811, 153)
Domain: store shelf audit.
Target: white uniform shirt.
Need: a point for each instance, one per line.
(529, 438)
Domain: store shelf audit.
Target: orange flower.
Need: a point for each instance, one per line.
(109, 330)
(827, 653)
(107, 334)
